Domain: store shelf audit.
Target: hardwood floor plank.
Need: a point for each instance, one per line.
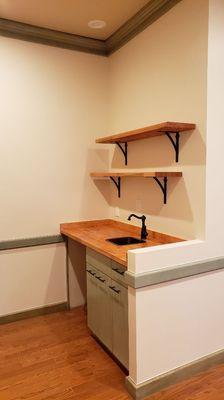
(54, 357)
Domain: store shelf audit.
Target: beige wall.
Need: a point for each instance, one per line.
(53, 105)
(32, 278)
(55, 102)
(190, 310)
(161, 76)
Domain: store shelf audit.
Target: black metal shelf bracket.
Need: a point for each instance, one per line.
(163, 187)
(117, 184)
(175, 142)
(124, 151)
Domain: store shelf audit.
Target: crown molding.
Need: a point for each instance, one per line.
(50, 37)
(152, 11)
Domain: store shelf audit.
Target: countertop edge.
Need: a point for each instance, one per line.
(72, 231)
(98, 249)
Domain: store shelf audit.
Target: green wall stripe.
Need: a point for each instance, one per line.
(30, 242)
(170, 274)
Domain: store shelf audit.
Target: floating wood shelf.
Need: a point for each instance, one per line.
(147, 174)
(165, 128)
(156, 175)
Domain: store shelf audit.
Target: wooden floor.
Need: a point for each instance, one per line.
(54, 357)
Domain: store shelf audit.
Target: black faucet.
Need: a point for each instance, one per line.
(144, 233)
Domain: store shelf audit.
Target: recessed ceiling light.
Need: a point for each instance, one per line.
(97, 24)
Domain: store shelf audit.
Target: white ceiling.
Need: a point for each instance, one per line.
(72, 15)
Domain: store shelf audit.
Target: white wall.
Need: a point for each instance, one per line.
(31, 278)
(177, 323)
(53, 105)
(161, 75)
(181, 321)
(177, 254)
(46, 151)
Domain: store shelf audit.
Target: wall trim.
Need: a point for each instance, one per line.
(50, 37)
(170, 274)
(36, 312)
(30, 242)
(152, 11)
(175, 376)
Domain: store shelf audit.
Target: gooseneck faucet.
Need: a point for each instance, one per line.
(144, 233)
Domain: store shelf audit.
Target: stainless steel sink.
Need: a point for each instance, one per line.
(122, 241)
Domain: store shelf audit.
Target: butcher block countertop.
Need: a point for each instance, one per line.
(93, 234)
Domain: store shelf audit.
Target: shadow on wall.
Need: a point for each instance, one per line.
(54, 256)
(158, 152)
(98, 159)
(152, 198)
(177, 217)
(76, 273)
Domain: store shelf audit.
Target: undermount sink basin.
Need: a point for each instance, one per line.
(122, 241)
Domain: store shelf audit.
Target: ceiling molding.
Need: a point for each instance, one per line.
(152, 11)
(50, 37)
(144, 17)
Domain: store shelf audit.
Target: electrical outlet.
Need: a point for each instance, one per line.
(138, 205)
(117, 212)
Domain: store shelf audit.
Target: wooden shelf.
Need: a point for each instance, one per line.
(148, 131)
(153, 174)
(156, 175)
(164, 128)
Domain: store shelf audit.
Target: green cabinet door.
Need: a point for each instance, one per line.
(92, 295)
(99, 313)
(119, 304)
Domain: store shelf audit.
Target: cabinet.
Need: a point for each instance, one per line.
(107, 306)
(119, 305)
(99, 317)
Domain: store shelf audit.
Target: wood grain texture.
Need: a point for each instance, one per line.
(147, 132)
(150, 174)
(54, 357)
(93, 234)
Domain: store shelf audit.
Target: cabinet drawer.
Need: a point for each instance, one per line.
(117, 272)
(98, 261)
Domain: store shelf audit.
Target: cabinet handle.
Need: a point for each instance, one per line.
(118, 271)
(91, 272)
(114, 289)
(100, 279)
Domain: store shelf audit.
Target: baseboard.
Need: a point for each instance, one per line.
(175, 376)
(33, 313)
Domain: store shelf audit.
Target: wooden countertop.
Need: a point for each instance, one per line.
(93, 234)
